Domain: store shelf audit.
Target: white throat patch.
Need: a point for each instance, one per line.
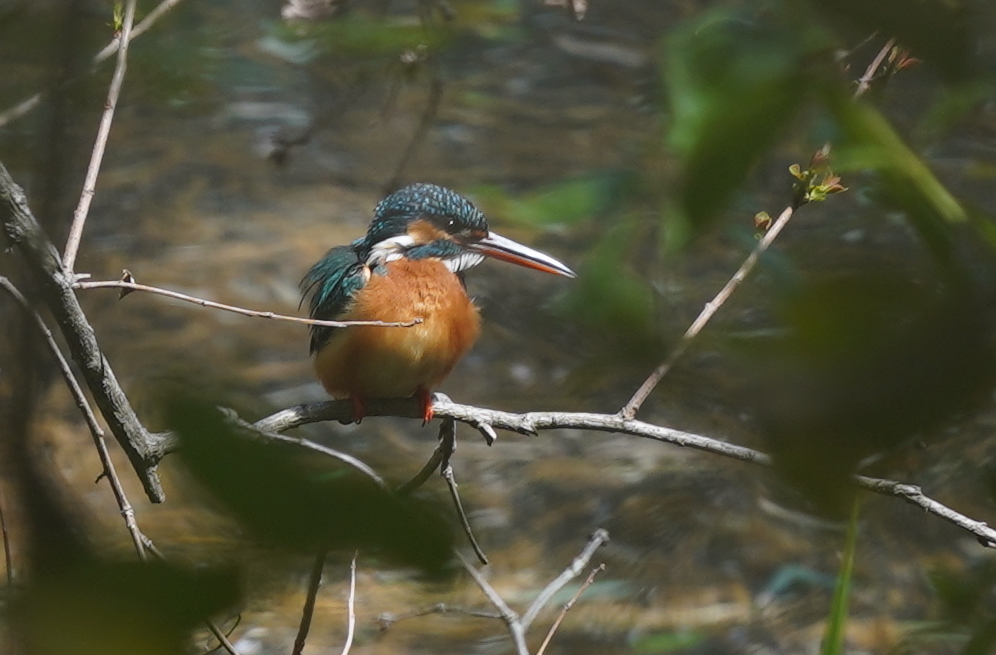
(390, 250)
(463, 261)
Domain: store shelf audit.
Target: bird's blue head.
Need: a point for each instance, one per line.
(423, 221)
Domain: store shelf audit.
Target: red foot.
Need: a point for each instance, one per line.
(425, 399)
(359, 411)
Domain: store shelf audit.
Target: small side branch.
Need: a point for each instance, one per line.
(103, 132)
(710, 309)
(127, 286)
(630, 409)
(7, 556)
(351, 607)
(597, 540)
(567, 608)
(127, 512)
(314, 582)
(507, 614)
(517, 625)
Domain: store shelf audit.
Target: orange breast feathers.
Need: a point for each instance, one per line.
(370, 362)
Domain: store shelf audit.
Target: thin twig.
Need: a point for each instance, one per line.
(346, 458)
(710, 309)
(386, 620)
(132, 286)
(8, 558)
(26, 105)
(531, 423)
(464, 522)
(556, 624)
(864, 83)
(127, 512)
(221, 637)
(630, 409)
(598, 538)
(420, 478)
(314, 581)
(508, 615)
(351, 606)
(100, 145)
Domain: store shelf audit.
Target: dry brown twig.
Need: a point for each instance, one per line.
(517, 626)
(632, 406)
(100, 144)
(128, 285)
(314, 582)
(96, 432)
(7, 555)
(567, 608)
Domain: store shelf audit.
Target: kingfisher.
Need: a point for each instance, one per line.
(408, 267)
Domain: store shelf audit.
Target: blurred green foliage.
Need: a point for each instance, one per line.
(735, 85)
(294, 499)
(97, 608)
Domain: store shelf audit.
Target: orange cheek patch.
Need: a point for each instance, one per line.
(425, 232)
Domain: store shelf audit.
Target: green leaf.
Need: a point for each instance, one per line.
(735, 86)
(292, 498)
(870, 142)
(833, 639)
(96, 608)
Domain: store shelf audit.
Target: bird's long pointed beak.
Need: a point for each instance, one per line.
(498, 247)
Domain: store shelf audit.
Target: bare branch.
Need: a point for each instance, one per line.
(127, 512)
(630, 409)
(26, 105)
(351, 606)
(55, 287)
(508, 615)
(132, 286)
(599, 538)
(464, 522)
(7, 556)
(386, 620)
(532, 422)
(103, 131)
(314, 581)
(345, 458)
(864, 83)
(710, 309)
(567, 608)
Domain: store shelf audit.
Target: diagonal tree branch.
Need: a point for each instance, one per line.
(632, 406)
(127, 511)
(54, 285)
(531, 423)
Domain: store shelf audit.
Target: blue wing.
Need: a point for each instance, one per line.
(332, 282)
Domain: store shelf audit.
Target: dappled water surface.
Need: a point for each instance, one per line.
(706, 555)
